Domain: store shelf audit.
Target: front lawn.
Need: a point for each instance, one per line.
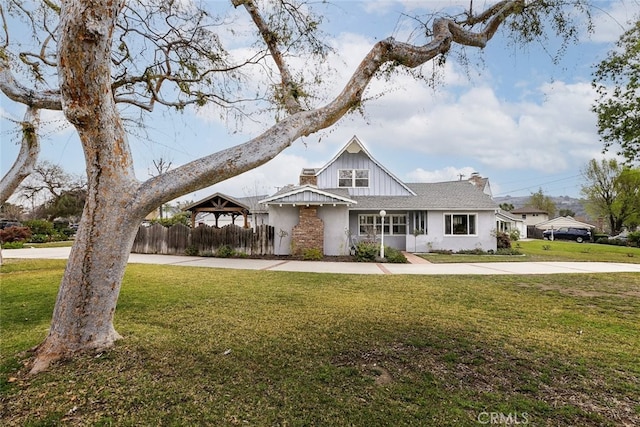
(223, 347)
(545, 250)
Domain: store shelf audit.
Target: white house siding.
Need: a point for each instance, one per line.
(283, 219)
(380, 182)
(437, 240)
(336, 222)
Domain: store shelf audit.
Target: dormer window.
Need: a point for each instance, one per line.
(349, 178)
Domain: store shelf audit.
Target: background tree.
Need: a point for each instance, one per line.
(165, 53)
(53, 192)
(611, 192)
(617, 81)
(539, 201)
(507, 207)
(566, 212)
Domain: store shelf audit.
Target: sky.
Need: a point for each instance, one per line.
(513, 116)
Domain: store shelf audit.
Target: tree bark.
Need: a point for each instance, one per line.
(86, 302)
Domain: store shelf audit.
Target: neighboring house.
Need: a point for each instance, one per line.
(563, 221)
(507, 222)
(531, 216)
(341, 203)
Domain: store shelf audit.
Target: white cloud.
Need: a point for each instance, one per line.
(449, 173)
(612, 21)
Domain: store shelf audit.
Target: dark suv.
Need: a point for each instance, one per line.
(8, 223)
(568, 233)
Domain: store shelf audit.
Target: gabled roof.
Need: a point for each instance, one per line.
(355, 146)
(309, 195)
(563, 221)
(526, 210)
(216, 201)
(508, 216)
(442, 196)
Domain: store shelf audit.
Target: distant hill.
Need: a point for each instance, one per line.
(562, 202)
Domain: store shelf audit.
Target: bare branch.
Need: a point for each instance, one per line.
(290, 90)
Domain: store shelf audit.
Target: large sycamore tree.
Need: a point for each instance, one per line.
(95, 57)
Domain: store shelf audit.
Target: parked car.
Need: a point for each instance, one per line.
(8, 223)
(568, 233)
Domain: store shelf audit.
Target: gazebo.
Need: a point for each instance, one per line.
(219, 204)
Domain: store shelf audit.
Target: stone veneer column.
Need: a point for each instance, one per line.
(309, 233)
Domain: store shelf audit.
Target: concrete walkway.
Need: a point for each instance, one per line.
(423, 267)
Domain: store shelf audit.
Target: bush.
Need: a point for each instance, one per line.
(312, 254)
(40, 226)
(13, 245)
(191, 251)
(634, 238)
(367, 251)
(39, 238)
(476, 251)
(14, 234)
(503, 240)
(394, 256)
(225, 251)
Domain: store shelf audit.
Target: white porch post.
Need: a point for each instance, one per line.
(382, 215)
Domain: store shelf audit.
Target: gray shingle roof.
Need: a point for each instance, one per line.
(452, 195)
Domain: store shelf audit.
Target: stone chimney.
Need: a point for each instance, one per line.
(308, 177)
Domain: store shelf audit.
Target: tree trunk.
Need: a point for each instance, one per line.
(83, 314)
(84, 310)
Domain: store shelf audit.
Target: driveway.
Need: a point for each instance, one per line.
(489, 268)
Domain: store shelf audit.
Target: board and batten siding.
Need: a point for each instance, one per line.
(381, 183)
(307, 197)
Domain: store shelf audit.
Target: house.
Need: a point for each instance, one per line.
(531, 216)
(354, 198)
(563, 221)
(508, 223)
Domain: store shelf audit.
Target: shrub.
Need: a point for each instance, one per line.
(503, 240)
(312, 254)
(225, 251)
(634, 238)
(40, 226)
(367, 251)
(394, 256)
(476, 251)
(39, 238)
(191, 251)
(13, 245)
(14, 234)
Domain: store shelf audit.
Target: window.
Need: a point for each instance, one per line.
(370, 225)
(460, 224)
(420, 222)
(353, 178)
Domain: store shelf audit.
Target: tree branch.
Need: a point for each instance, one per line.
(290, 89)
(27, 157)
(227, 163)
(46, 100)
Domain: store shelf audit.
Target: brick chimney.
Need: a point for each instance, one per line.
(308, 177)
(309, 233)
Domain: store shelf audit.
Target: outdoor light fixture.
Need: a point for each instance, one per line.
(382, 215)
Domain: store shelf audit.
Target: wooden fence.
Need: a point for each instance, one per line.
(180, 239)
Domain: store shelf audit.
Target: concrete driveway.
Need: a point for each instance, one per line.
(488, 268)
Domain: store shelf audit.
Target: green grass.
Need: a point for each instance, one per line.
(544, 250)
(222, 347)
